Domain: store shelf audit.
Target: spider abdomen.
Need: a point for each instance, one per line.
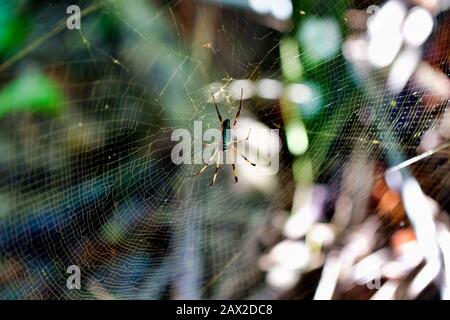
(226, 134)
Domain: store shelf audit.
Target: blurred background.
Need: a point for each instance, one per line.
(358, 90)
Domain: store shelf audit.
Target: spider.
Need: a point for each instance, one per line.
(226, 143)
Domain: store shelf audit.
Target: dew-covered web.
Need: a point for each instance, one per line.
(87, 177)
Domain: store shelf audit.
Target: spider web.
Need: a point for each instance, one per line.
(94, 184)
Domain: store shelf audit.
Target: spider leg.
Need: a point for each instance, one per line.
(207, 164)
(248, 137)
(233, 165)
(217, 109)
(217, 170)
(243, 157)
(239, 111)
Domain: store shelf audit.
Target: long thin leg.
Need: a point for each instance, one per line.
(233, 165)
(248, 137)
(217, 109)
(207, 164)
(239, 111)
(243, 157)
(217, 170)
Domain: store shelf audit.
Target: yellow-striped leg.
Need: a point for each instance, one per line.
(248, 137)
(217, 109)
(217, 170)
(207, 164)
(244, 157)
(233, 165)
(239, 111)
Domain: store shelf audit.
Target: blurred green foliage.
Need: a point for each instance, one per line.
(31, 91)
(12, 27)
